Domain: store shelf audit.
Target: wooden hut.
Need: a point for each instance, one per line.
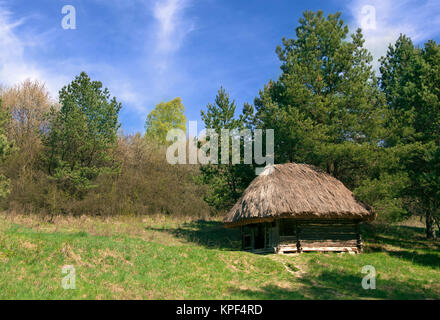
(296, 207)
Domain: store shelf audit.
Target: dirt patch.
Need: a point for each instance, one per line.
(29, 245)
(70, 254)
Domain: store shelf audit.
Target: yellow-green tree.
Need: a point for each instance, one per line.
(166, 116)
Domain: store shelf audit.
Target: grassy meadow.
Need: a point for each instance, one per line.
(164, 258)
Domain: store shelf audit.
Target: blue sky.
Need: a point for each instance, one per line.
(148, 51)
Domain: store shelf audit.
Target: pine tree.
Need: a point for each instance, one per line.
(325, 107)
(410, 80)
(226, 181)
(81, 137)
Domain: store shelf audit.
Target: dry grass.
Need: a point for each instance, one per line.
(149, 228)
(161, 257)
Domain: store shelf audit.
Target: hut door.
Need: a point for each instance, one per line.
(247, 237)
(267, 233)
(259, 236)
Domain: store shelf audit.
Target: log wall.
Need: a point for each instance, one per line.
(290, 236)
(313, 235)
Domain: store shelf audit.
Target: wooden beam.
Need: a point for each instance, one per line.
(298, 240)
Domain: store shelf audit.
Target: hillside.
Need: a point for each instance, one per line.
(163, 258)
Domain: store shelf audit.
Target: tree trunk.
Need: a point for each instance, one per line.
(430, 226)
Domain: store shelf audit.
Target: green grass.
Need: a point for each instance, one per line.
(164, 258)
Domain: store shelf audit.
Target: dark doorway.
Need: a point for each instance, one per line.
(259, 236)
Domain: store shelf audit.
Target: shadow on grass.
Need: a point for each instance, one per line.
(424, 259)
(270, 292)
(336, 285)
(327, 284)
(397, 236)
(403, 242)
(210, 234)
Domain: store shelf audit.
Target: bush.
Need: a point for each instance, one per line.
(145, 184)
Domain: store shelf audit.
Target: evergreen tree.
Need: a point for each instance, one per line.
(81, 137)
(325, 107)
(410, 80)
(226, 181)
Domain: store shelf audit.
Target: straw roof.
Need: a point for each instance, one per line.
(297, 191)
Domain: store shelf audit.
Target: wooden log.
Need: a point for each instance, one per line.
(331, 249)
(326, 221)
(290, 239)
(329, 243)
(333, 238)
(322, 235)
(329, 229)
(287, 249)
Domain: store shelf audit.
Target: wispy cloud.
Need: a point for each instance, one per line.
(159, 73)
(15, 66)
(419, 20)
(19, 62)
(172, 26)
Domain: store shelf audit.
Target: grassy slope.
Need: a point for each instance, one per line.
(161, 258)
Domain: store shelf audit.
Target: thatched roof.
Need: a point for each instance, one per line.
(296, 191)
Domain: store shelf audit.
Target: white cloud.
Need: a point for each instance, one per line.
(170, 29)
(416, 19)
(172, 26)
(124, 91)
(160, 74)
(15, 67)
(156, 73)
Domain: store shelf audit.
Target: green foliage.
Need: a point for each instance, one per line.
(5, 150)
(410, 80)
(166, 116)
(81, 137)
(384, 193)
(325, 107)
(71, 161)
(381, 138)
(226, 181)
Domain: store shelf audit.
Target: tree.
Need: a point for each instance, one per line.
(410, 80)
(5, 149)
(226, 181)
(166, 116)
(81, 136)
(325, 107)
(27, 104)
